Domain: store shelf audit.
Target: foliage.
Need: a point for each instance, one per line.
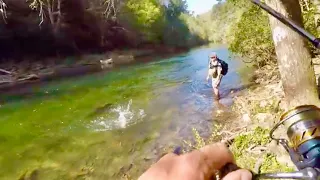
(216, 135)
(175, 8)
(243, 26)
(240, 24)
(168, 24)
(145, 16)
(97, 26)
(309, 11)
(179, 29)
(259, 137)
(271, 165)
(253, 37)
(214, 25)
(197, 33)
(247, 30)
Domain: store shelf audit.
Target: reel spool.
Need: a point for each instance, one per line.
(303, 131)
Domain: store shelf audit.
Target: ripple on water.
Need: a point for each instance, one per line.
(119, 117)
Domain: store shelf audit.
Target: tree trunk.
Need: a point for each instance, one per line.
(50, 13)
(294, 59)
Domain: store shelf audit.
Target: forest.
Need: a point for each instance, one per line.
(248, 29)
(40, 28)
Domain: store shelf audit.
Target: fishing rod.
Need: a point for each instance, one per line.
(314, 40)
(302, 124)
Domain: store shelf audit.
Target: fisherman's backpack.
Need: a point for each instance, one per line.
(225, 67)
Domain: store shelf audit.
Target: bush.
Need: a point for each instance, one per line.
(308, 15)
(253, 37)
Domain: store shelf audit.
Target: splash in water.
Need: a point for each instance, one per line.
(120, 117)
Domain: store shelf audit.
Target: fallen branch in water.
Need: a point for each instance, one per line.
(29, 77)
(6, 72)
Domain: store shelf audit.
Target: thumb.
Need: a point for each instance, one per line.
(240, 174)
(217, 155)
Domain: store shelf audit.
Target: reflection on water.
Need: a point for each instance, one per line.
(102, 125)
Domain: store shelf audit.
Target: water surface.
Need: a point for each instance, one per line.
(104, 125)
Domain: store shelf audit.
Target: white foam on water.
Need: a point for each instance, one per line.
(123, 116)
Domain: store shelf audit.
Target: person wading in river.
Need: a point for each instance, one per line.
(216, 72)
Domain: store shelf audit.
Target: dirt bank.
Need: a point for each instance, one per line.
(259, 109)
(15, 75)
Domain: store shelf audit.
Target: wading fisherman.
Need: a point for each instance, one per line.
(217, 69)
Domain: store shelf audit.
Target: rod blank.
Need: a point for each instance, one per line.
(315, 41)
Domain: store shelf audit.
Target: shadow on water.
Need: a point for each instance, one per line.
(103, 126)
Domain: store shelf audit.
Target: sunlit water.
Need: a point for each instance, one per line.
(104, 125)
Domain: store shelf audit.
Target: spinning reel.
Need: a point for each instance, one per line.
(303, 144)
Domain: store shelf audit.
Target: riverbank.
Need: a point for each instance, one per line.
(258, 109)
(17, 74)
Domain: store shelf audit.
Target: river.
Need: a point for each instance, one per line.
(103, 125)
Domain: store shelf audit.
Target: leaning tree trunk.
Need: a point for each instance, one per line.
(294, 59)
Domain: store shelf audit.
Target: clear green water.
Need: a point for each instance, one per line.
(104, 125)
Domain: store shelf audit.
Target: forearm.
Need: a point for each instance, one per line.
(218, 79)
(219, 74)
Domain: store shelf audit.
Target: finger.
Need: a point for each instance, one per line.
(241, 174)
(161, 168)
(207, 160)
(167, 157)
(217, 155)
(228, 168)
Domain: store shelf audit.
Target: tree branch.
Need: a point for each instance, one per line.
(6, 72)
(3, 10)
(112, 7)
(50, 9)
(41, 13)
